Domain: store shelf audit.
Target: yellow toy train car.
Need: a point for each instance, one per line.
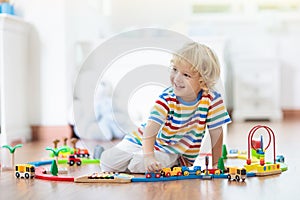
(24, 171)
(236, 173)
(174, 171)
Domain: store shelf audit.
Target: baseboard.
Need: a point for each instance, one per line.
(288, 114)
(291, 114)
(48, 133)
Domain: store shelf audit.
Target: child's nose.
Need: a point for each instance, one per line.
(178, 77)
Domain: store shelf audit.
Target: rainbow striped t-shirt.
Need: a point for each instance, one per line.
(183, 124)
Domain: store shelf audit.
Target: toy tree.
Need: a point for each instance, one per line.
(55, 142)
(12, 152)
(56, 152)
(54, 169)
(68, 149)
(221, 165)
(74, 141)
(65, 141)
(224, 151)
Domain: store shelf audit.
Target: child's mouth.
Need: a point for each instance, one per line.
(178, 86)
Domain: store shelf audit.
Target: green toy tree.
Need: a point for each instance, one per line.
(56, 152)
(224, 151)
(12, 152)
(221, 165)
(54, 169)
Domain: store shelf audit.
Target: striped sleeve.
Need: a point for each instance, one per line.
(159, 111)
(217, 113)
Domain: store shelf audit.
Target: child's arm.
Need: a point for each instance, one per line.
(216, 136)
(149, 136)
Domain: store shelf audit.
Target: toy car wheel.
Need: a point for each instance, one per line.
(157, 175)
(237, 178)
(229, 177)
(186, 173)
(17, 174)
(168, 174)
(198, 172)
(78, 163)
(27, 176)
(71, 163)
(148, 175)
(243, 179)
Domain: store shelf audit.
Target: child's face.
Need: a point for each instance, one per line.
(185, 81)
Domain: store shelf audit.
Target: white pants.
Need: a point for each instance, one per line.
(129, 156)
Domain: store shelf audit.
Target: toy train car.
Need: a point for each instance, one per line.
(24, 171)
(82, 152)
(196, 170)
(175, 171)
(236, 173)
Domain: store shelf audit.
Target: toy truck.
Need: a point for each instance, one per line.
(72, 159)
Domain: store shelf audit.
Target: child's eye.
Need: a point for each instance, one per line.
(187, 75)
(173, 69)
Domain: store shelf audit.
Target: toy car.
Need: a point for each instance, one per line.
(72, 159)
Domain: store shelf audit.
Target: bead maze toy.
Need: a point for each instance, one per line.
(262, 169)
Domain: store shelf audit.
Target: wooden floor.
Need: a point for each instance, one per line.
(283, 186)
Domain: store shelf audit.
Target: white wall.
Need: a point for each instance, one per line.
(48, 59)
(57, 27)
(286, 33)
(290, 61)
(60, 24)
(131, 14)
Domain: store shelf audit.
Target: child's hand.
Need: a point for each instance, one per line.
(151, 164)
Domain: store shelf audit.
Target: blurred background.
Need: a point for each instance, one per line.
(43, 45)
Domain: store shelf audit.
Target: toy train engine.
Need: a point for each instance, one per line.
(24, 171)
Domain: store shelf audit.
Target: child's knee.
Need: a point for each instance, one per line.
(114, 160)
(136, 164)
(105, 161)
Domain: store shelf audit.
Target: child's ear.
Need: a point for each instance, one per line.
(203, 86)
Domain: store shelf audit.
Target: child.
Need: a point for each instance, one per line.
(178, 120)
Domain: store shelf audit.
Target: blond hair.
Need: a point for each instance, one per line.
(203, 60)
